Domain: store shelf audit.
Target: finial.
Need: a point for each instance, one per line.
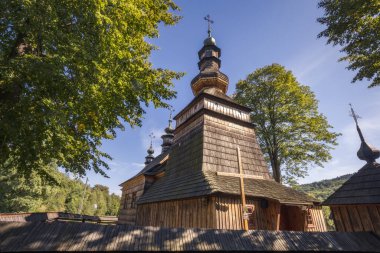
(150, 150)
(356, 117)
(170, 117)
(365, 152)
(209, 21)
(151, 135)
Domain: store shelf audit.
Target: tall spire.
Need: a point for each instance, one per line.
(167, 138)
(149, 158)
(209, 64)
(365, 152)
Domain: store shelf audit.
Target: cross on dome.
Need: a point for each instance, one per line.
(209, 21)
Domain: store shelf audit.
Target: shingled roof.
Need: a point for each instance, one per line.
(362, 188)
(259, 188)
(153, 167)
(186, 174)
(78, 236)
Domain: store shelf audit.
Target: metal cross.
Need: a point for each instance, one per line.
(209, 21)
(151, 135)
(170, 117)
(354, 115)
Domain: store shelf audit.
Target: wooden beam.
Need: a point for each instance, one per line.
(227, 174)
(245, 221)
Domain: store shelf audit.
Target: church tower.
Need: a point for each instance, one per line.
(196, 183)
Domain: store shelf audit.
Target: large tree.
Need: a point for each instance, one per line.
(355, 25)
(33, 194)
(291, 132)
(71, 73)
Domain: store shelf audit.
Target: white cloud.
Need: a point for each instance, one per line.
(310, 64)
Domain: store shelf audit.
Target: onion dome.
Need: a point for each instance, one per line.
(167, 138)
(149, 158)
(209, 63)
(210, 41)
(366, 152)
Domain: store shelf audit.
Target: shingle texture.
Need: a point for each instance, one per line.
(206, 146)
(258, 188)
(153, 167)
(77, 236)
(362, 188)
(183, 173)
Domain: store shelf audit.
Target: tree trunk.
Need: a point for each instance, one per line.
(276, 169)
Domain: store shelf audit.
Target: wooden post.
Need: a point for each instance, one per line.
(242, 192)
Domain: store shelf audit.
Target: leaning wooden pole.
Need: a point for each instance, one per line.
(242, 192)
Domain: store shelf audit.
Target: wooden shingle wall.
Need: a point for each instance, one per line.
(221, 138)
(354, 218)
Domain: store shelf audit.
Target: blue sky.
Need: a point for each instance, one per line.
(253, 34)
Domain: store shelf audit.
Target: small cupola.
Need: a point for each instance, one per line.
(167, 138)
(149, 158)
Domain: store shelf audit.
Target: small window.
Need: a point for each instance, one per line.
(133, 200)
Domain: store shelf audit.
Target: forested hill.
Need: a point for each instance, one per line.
(322, 189)
(32, 194)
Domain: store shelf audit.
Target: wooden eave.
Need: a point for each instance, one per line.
(215, 98)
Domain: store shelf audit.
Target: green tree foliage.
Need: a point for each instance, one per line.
(291, 132)
(321, 190)
(324, 188)
(34, 194)
(71, 73)
(355, 25)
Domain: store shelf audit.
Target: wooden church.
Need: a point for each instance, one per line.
(355, 206)
(206, 162)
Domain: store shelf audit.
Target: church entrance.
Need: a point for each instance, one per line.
(292, 218)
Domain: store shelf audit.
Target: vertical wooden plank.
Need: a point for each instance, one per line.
(278, 216)
(180, 211)
(337, 219)
(176, 224)
(186, 214)
(172, 214)
(375, 217)
(242, 192)
(202, 204)
(346, 219)
(213, 216)
(195, 213)
(239, 224)
(355, 218)
(222, 216)
(217, 213)
(228, 213)
(157, 216)
(365, 218)
(234, 214)
(211, 213)
(261, 217)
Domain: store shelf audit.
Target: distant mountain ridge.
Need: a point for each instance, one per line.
(324, 188)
